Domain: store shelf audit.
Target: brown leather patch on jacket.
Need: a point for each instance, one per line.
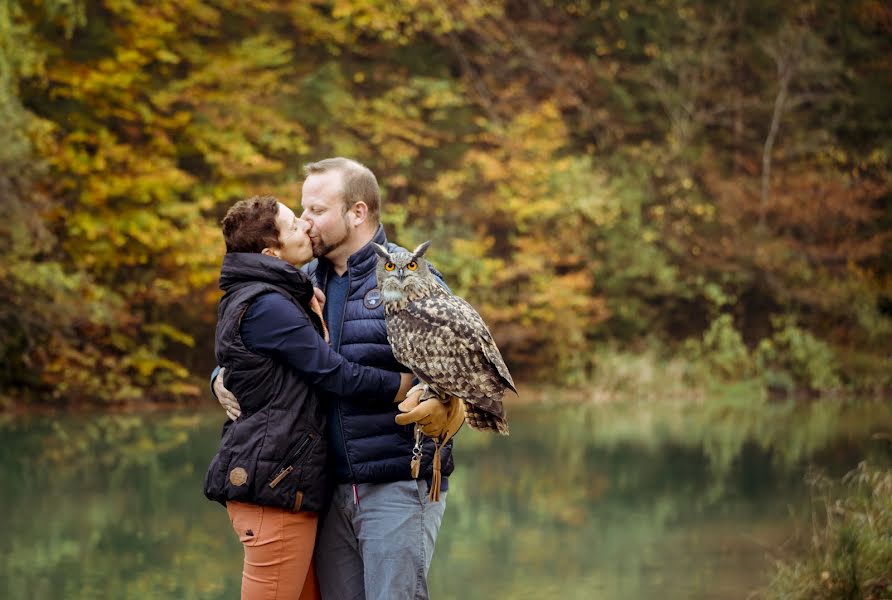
(298, 500)
(238, 476)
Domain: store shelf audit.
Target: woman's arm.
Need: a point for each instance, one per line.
(275, 327)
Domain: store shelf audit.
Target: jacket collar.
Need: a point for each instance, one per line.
(365, 259)
(251, 267)
(360, 262)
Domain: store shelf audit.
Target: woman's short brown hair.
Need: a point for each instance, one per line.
(250, 225)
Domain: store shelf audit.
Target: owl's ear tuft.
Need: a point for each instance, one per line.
(381, 251)
(419, 251)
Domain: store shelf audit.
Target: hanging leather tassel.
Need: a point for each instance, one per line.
(456, 420)
(415, 467)
(434, 494)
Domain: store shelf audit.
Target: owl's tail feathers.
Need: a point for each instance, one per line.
(481, 420)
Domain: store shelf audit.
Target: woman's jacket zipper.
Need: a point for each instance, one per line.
(287, 465)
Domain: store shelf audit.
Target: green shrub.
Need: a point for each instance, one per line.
(810, 361)
(721, 351)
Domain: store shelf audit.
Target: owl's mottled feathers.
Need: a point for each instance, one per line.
(442, 339)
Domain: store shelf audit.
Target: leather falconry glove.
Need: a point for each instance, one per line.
(437, 419)
(428, 411)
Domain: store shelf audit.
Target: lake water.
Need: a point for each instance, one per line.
(630, 501)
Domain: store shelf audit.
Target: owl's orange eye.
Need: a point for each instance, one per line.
(412, 265)
(388, 266)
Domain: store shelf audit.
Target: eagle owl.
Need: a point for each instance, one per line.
(442, 339)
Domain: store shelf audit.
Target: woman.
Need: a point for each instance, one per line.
(270, 469)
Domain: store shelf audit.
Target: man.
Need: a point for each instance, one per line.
(377, 538)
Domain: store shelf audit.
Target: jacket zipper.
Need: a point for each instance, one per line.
(338, 350)
(287, 465)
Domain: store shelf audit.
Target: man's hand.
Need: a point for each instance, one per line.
(436, 417)
(225, 398)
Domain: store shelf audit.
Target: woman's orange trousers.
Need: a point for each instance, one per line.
(278, 552)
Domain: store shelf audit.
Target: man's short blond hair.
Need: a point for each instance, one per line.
(358, 183)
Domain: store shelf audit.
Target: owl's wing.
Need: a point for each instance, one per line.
(488, 345)
(446, 343)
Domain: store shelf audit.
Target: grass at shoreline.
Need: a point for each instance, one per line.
(655, 375)
(850, 549)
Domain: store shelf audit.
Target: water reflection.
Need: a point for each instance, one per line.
(628, 501)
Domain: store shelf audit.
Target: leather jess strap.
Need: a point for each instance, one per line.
(456, 418)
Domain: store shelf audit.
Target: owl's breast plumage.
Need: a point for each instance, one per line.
(446, 343)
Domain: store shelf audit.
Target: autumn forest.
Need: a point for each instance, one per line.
(678, 179)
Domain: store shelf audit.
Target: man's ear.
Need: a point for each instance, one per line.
(359, 213)
(269, 252)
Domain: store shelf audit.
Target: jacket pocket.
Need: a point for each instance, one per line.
(295, 455)
(247, 521)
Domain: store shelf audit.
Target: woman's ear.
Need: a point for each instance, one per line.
(269, 252)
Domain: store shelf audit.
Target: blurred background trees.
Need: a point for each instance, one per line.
(670, 177)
